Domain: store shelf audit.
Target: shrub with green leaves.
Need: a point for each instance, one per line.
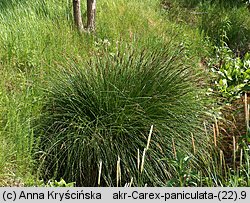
(103, 109)
(232, 75)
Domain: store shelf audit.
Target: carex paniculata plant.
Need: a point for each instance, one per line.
(102, 109)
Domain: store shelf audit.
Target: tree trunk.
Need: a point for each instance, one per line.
(91, 12)
(77, 14)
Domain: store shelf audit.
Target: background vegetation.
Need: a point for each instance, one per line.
(68, 100)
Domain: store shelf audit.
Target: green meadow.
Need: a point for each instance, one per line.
(157, 95)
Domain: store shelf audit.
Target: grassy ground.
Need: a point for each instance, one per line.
(37, 38)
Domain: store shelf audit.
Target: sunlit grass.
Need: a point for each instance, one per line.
(101, 110)
(37, 37)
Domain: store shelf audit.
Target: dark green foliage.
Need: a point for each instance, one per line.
(104, 109)
(217, 19)
(228, 24)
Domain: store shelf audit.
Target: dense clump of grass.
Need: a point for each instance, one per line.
(103, 109)
(34, 37)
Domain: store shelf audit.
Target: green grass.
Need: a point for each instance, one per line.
(18, 105)
(219, 20)
(38, 37)
(101, 110)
